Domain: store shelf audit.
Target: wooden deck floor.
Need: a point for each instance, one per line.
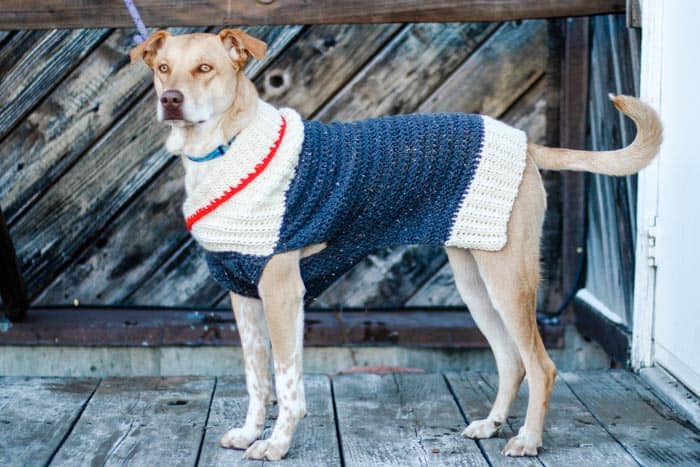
(596, 418)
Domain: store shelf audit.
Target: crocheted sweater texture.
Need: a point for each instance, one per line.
(285, 183)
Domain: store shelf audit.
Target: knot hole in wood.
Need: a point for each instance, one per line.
(276, 82)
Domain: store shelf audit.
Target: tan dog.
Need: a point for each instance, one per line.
(207, 100)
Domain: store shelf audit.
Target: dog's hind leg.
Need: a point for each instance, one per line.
(511, 276)
(282, 292)
(510, 367)
(255, 340)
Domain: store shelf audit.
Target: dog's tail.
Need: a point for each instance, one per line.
(625, 161)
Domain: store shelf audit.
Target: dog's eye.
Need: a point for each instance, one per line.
(163, 68)
(204, 68)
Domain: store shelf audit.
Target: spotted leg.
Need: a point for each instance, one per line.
(282, 293)
(255, 341)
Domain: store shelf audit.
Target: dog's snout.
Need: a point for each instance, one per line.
(171, 99)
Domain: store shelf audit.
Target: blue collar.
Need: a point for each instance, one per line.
(216, 152)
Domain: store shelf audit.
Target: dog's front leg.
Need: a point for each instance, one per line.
(255, 341)
(282, 293)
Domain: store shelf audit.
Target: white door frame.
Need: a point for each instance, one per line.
(647, 192)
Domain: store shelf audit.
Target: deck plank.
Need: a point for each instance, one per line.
(400, 420)
(140, 421)
(36, 414)
(475, 397)
(314, 443)
(647, 428)
(572, 436)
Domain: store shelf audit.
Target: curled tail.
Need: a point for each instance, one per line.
(625, 161)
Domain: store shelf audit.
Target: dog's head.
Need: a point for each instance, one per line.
(196, 75)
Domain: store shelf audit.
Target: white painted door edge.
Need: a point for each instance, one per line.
(673, 393)
(647, 192)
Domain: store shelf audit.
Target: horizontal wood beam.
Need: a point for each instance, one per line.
(47, 14)
(449, 328)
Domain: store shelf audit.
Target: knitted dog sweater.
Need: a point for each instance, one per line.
(284, 184)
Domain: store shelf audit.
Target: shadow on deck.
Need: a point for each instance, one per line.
(596, 418)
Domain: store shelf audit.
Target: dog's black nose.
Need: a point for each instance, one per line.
(171, 99)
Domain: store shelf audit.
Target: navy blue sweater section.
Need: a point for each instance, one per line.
(363, 186)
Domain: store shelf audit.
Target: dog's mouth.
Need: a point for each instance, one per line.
(180, 122)
(176, 117)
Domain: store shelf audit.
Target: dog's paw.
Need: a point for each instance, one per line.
(266, 449)
(237, 438)
(481, 429)
(522, 445)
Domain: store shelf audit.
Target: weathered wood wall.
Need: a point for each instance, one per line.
(93, 200)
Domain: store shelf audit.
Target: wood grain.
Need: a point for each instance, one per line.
(98, 186)
(36, 414)
(571, 433)
(319, 62)
(45, 144)
(406, 71)
(140, 421)
(38, 71)
(314, 443)
(402, 420)
(20, 14)
(491, 80)
(475, 398)
(15, 45)
(634, 416)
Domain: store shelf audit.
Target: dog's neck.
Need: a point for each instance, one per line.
(201, 138)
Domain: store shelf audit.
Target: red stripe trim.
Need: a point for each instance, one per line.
(234, 190)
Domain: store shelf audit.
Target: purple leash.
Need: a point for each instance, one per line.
(136, 18)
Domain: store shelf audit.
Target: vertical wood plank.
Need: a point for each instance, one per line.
(574, 103)
(314, 442)
(36, 414)
(401, 420)
(140, 421)
(647, 429)
(550, 294)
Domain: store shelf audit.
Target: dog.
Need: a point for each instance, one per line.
(261, 183)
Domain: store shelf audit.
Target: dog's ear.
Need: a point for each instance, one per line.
(148, 49)
(241, 46)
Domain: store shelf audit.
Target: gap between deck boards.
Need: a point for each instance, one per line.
(596, 418)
